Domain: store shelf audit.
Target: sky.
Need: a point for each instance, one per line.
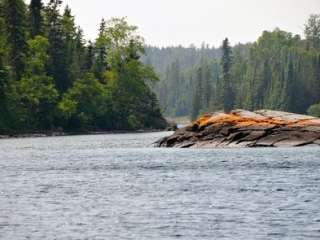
(185, 22)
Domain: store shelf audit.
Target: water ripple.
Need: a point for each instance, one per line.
(114, 187)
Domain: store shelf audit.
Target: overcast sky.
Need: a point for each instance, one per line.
(174, 22)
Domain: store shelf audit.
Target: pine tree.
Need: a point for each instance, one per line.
(69, 29)
(291, 85)
(15, 19)
(35, 17)
(312, 31)
(100, 65)
(200, 86)
(195, 110)
(73, 44)
(78, 68)
(226, 61)
(198, 98)
(89, 59)
(207, 86)
(59, 66)
(3, 53)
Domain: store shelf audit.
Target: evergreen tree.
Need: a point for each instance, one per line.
(15, 22)
(58, 66)
(3, 56)
(291, 85)
(198, 98)
(207, 90)
(226, 61)
(312, 31)
(78, 66)
(100, 65)
(35, 17)
(4, 74)
(200, 86)
(89, 58)
(73, 46)
(195, 110)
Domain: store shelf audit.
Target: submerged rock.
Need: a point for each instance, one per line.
(240, 128)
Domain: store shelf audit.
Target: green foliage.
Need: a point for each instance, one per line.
(276, 72)
(51, 78)
(84, 103)
(33, 98)
(314, 110)
(134, 122)
(126, 77)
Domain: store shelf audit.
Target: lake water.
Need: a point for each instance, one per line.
(119, 187)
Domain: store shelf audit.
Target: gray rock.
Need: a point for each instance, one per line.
(278, 115)
(240, 128)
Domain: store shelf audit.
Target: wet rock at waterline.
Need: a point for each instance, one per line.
(240, 128)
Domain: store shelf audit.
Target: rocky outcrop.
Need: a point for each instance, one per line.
(240, 128)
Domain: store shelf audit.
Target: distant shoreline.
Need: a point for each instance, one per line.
(80, 133)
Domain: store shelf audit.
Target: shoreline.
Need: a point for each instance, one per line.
(79, 133)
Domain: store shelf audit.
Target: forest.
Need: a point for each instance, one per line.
(279, 71)
(52, 79)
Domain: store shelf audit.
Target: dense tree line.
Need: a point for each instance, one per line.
(51, 78)
(279, 71)
(178, 68)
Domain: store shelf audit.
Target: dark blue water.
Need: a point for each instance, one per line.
(118, 187)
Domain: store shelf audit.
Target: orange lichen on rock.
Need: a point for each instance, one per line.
(236, 119)
(308, 122)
